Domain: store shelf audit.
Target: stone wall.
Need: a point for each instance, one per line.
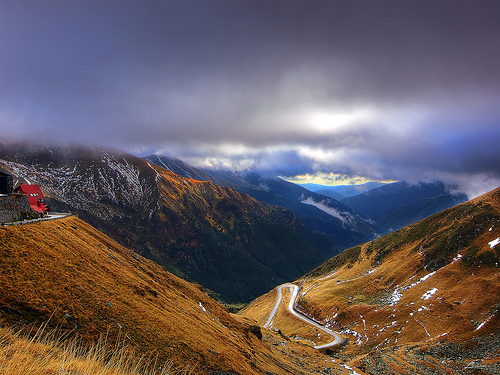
(16, 207)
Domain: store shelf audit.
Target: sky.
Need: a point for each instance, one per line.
(364, 90)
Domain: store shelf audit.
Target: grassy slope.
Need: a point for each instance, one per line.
(42, 351)
(95, 286)
(374, 294)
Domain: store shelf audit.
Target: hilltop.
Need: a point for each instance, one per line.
(423, 299)
(69, 274)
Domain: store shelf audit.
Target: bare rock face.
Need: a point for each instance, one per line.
(15, 207)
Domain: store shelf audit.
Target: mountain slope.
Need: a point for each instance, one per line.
(399, 204)
(342, 225)
(74, 277)
(227, 241)
(423, 299)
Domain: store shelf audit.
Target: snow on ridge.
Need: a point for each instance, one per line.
(422, 279)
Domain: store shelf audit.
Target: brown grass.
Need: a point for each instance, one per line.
(42, 351)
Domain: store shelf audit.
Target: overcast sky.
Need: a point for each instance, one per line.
(396, 90)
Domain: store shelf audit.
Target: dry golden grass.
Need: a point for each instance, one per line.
(44, 352)
(92, 284)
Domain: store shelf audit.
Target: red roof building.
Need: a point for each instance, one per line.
(35, 197)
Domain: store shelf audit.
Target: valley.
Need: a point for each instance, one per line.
(342, 226)
(149, 255)
(242, 187)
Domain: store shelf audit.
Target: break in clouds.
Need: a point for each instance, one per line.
(383, 90)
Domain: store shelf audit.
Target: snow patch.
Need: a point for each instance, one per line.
(422, 308)
(396, 296)
(494, 243)
(429, 293)
(202, 307)
(483, 323)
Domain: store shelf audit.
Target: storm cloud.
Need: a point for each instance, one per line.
(385, 90)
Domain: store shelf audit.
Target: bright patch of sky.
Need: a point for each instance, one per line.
(331, 179)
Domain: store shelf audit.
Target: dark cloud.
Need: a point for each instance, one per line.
(384, 88)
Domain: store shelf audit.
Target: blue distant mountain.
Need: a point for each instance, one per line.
(340, 192)
(394, 206)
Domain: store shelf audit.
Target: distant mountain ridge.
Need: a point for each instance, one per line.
(381, 208)
(225, 240)
(342, 191)
(341, 224)
(399, 204)
(184, 169)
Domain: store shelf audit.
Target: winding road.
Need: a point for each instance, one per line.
(291, 308)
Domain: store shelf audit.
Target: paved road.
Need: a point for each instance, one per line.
(50, 216)
(291, 308)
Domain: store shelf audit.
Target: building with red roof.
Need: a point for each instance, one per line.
(35, 197)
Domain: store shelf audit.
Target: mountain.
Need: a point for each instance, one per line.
(399, 204)
(340, 192)
(83, 284)
(227, 241)
(344, 226)
(421, 300)
(341, 224)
